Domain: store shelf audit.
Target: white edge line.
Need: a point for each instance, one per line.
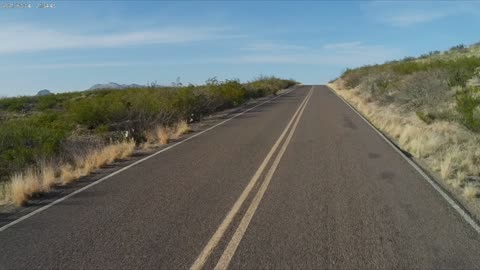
(436, 186)
(43, 208)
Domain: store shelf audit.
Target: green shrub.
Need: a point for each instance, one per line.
(17, 104)
(266, 85)
(379, 86)
(45, 127)
(425, 117)
(422, 90)
(186, 102)
(46, 102)
(353, 77)
(426, 85)
(27, 140)
(460, 48)
(468, 105)
(231, 93)
(93, 111)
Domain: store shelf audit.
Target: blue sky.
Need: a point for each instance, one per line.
(80, 43)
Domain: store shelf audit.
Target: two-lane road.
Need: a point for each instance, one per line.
(298, 182)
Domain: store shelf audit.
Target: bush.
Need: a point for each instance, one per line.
(353, 78)
(379, 86)
(468, 105)
(47, 102)
(26, 141)
(95, 111)
(17, 104)
(266, 85)
(54, 126)
(189, 102)
(225, 94)
(423, 90)
(460, 48)
(425, 117)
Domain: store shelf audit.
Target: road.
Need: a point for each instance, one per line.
(298, 182)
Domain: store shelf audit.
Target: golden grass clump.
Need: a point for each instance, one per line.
(24, 185)
(182, 128)
(161, 135)
(47, 176)
(164, 135)
(95, 159)
(68, 174)
(471, 192)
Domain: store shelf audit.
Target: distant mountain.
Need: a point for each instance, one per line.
(112, 85)
(44, 92)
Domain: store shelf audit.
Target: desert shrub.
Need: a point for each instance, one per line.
(458, 77)
(461, 70)
(266, 85)
(187, 101)
(468, 106)
(55, 126)
(225, 94)
(98, 110)
(27, 140)
(422, 90)
(379, 86)
(459, 48)
(353, 77)
(425, 117)
(475, 80)
(46, 102)
(408, 67)
(154, 105)
(17, 104)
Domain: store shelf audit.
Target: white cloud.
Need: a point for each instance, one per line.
(343, 45)
(272, 46)
(411, 18)
(404, 14)
(29, 38)
(77, 65)
(335, 54)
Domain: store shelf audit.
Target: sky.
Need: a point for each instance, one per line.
(80, 43)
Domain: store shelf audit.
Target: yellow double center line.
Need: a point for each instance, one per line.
(242, 227)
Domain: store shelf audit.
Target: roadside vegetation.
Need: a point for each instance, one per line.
(430, 105)
(55, 139)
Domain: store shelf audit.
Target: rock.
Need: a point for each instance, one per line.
(113, 85)
(44, 92)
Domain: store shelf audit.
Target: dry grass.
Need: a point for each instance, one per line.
(181, 128)
(47, 176)
(158, 136)
(27, 184)
(93, 160)
(68, 174)
(445, 147)
(23, 186)
(471, 192)
(163, 135)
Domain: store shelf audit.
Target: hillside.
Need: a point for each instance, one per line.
(430, 106)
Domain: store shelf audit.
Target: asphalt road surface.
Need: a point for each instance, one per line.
(299, 182)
